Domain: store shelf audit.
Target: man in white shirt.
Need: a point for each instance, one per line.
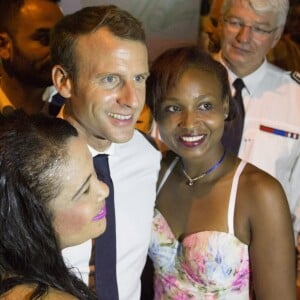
(100, 67)
(250, 28)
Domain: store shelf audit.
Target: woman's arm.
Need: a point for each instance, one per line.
(272, 250)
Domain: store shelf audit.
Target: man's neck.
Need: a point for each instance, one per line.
(240, 70)
(96, 142)
(22, 96)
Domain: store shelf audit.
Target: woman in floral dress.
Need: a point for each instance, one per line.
(222, 227)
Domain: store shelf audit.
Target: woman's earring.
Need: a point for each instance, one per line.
(225, 116)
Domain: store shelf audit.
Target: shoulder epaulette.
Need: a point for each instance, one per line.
(296, 76)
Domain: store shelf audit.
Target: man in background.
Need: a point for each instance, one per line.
(271, 96)
(24, 51)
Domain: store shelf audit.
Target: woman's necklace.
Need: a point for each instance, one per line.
(191, 181)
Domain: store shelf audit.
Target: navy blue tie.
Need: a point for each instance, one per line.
(233, 129)
(105, 245)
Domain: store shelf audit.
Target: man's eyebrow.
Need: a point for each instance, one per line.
(82, 187)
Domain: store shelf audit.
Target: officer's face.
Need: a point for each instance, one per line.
(247, 37)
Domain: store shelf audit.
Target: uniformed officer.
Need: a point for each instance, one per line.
(271, 96)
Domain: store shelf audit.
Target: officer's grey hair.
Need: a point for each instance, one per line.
(278, 7)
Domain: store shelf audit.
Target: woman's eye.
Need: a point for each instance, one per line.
(172, 108)
(205, 106)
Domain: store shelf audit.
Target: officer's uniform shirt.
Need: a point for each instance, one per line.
(271, 138)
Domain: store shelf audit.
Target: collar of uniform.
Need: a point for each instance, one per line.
(250, 80)
(231, 76)
(254, 79)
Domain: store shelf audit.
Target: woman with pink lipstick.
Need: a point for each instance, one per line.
(50, 199)
(222, 227)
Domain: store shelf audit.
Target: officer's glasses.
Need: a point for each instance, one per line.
(236, 25)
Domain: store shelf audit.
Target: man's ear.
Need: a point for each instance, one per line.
(61, 81)
(5, 46)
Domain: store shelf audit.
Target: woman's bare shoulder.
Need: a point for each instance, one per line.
(258, 181)
(260, 188)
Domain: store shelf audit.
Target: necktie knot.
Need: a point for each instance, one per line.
(239, 105)
(238, 85)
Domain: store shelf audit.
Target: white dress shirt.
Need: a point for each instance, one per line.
(134, 168)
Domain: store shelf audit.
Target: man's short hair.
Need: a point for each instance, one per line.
(66, 32)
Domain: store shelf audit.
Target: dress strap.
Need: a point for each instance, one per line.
(232, 198)
(167, 174)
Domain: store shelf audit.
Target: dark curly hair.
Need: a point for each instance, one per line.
(32, 148)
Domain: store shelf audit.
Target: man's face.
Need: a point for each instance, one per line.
(247, 37)
(109, 89)
(29, 61)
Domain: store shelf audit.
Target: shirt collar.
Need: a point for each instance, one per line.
(109, 151)
(49, 92)
(250, 80)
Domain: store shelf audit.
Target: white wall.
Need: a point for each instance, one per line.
(166, 22)
(69, 6)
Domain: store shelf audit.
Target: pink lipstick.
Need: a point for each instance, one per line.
(101, 214)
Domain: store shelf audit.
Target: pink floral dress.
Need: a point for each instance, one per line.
(205, 265)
